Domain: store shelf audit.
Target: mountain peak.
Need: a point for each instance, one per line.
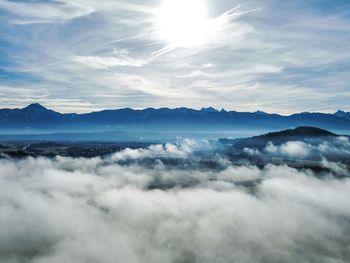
(340, 111)
(303, 131)
(342, 114)
(36, 110)
(209, 109)
(35, 107)
(258, 112)
(308, 130)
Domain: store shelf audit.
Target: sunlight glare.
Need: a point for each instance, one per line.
(184, 23)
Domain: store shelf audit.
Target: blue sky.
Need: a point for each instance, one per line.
(84, 55)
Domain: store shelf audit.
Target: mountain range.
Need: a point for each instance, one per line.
(36, 117)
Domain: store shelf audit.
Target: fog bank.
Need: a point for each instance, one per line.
(110, 210)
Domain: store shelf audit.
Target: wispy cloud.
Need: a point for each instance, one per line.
(283, 57)
(98, 62)
(44, 12)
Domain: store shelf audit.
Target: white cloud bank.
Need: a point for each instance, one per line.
(296, 149)
(95, 210)
(335, 148)
(41, 12)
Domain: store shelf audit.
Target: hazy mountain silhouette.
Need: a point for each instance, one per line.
(342, 114)
(304, 133)
(37, 117)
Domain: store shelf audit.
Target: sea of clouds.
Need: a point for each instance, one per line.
(121, 209)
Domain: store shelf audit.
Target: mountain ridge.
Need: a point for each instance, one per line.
(342, 114)
(37, 117)
(210, 109)
(303, 133)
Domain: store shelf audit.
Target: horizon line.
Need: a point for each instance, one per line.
(207, 109)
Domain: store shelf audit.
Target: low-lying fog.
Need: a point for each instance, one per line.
(121, 209)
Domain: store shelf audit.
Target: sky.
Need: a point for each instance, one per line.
(85, 55)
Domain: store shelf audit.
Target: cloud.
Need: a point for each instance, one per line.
(295, 149)
(333, 149)
(44, 12)
(82, 210)
(256, 152)
(293, 55)
(183, 149)
(121, 59)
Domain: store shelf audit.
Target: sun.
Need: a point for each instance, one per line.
(183, 23)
